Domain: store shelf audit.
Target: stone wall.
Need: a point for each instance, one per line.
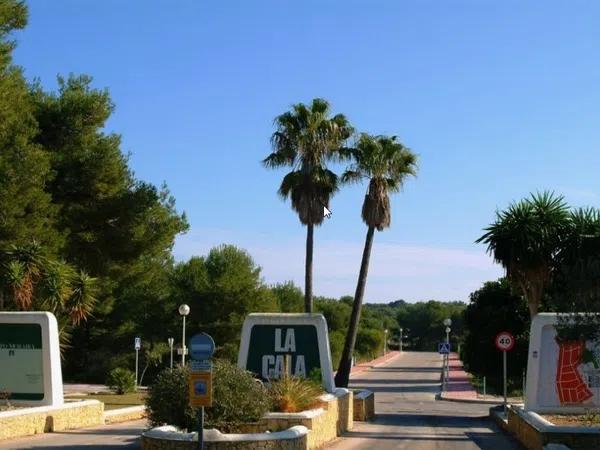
(334, 416)
(324, 424)
(43, 419)
(124, 414)
(167, 438)
(364, 405)
(534, 432)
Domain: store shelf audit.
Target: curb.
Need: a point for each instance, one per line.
(441, 397)
(374, 363)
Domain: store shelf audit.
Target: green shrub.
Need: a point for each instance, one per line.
(369, 343)
(237, 398)
(167, 400)
(292, 394)
(121, 380)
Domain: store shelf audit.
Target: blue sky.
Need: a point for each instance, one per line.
(498, 99)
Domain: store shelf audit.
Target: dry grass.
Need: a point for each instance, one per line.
(291, 394)
(114, 401)
(590, 418)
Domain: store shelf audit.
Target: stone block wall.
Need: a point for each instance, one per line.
(321, 426)
(44, 419)
(364, 406)
(124, 414)
(324, 424)
(168, 439)
(535, 432)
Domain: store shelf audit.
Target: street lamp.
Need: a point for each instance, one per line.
(184, 310)
(171, 341)
(385, 343)
(447, 323)
(401, 339)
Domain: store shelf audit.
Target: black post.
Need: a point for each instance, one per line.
(201, 429)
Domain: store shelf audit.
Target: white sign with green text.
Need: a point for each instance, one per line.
(30, 358)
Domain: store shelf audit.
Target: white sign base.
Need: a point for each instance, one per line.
(30, 368)
(562, 376)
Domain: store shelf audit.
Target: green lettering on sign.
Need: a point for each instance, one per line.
(269, 345)
(21, 361)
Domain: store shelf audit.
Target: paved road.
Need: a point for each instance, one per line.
(409, 417)
(122, 436)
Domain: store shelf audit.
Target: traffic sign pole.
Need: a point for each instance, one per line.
(136, 366)
(504, 370)
(202, 347)
(505, 342)
(137, 345)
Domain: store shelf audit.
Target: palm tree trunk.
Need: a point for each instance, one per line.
(308, 291)
(533, 302)
(343, 373)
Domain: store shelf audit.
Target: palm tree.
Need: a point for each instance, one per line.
(525, 240)
(306, 139)
(35, 281)
(386, 163)
(22, 269)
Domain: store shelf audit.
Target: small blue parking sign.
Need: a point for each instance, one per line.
(444, 348)
(202, 347)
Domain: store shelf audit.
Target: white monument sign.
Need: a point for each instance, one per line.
(30, 358)
(269, 340)
(563, 374)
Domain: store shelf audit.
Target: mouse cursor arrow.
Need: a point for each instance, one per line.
(326, 212)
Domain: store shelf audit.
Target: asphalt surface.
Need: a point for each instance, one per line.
(123, 436)
(409, 417)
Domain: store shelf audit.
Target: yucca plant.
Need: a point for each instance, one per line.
(525, 239)
(293, 394)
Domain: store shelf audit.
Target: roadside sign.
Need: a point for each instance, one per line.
(138, 343)
(200, 389)
(203, 365)
(504, 341)
(444, 348)
(202, 347)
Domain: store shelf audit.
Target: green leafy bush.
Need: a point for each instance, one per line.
(237, 398)
(167, 400)
(292, 394)
(121, 380)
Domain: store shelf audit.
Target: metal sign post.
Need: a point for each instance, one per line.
(505, 342)
(444, 349)
(171, 341)
(137, 345)
(202, 348)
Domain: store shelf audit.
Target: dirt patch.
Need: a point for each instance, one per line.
(591, 419)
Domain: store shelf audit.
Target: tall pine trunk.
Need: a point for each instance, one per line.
(343, 373)
(308, 270)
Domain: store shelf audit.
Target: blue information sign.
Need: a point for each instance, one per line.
(202, 347)
(444, 348)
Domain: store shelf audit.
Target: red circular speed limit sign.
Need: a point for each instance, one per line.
(504, 341)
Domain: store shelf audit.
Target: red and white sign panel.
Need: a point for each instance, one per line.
(504, 341)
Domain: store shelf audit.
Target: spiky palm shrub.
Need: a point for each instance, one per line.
(31, 280)
(525, 239)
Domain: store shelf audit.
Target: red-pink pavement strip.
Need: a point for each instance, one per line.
(373, 363)
(459, 384)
